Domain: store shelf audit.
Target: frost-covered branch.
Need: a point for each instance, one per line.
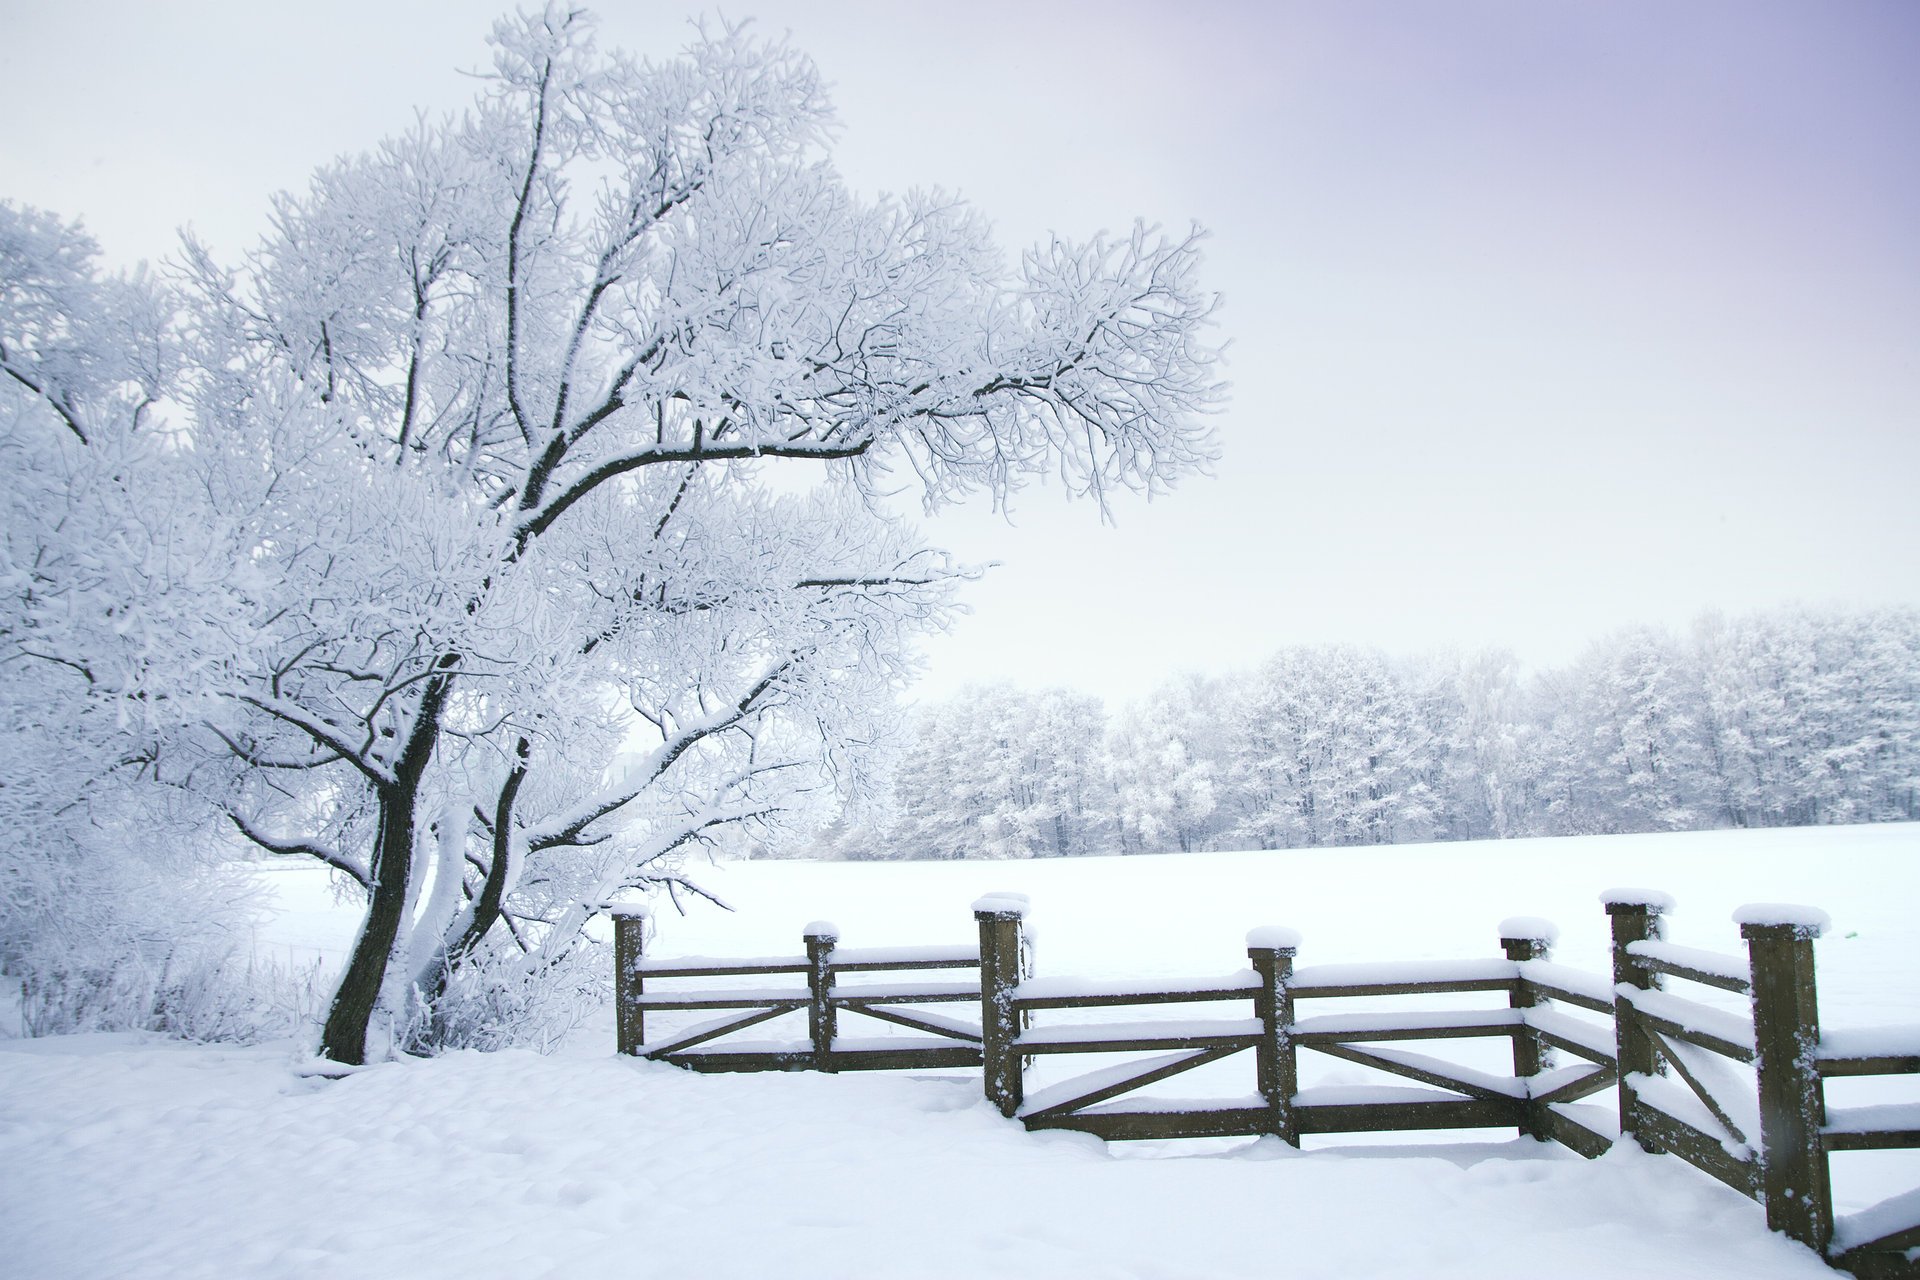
(302, 848)
(323, 734)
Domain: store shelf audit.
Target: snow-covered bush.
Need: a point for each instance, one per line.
(495, 1003)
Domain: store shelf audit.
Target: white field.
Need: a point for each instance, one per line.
(121, 1156)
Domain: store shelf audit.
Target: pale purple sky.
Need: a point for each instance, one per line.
(1547, 317)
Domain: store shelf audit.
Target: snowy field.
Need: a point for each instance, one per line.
(128, 1157)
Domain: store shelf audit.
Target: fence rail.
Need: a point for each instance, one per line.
(1740, 1096)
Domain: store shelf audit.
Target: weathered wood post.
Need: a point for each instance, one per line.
(1525, 938)
(999, 917)
(1786, 1029)
(629, 947)
(821, 936)
(1635, 915)
(1276, 1063)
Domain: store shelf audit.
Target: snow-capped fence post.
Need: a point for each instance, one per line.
(1635, 917)
(1524, 939)
(1786, 1029)
(629, 946)
(999, 917)
(1277, 1067)
(821, 937)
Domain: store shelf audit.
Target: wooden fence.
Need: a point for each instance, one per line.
(812, 984)
(1738, 1094)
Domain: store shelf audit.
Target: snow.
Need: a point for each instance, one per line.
(1363, 1095)
(1870, 1042)
(958, 956)
(743, 997)
(1591, 1036)
(1651, 898)
(1501, 1084)
(193, 1162)
(1243, 981)
(1811, 920)
(826, 929)
(1553, 1078)
(1389, 972)
(1168, 1029)
(1690, 1015)
(1274, 937)
(1166, 1103)
(1424, 1020)
(1733, 1088)
(691, 1034)
(1680, 1102)
(1901, 1213)
(1733, 968)
(905, 989)
(1573, 981)
(699, 966)
(1530, 927)
(1093, 1081)
(1604, 1121)
(965, 1028)
(122, 1156)
(1887, 1117)
(1002, 904)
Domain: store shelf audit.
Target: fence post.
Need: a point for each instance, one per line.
(1271, 950)
(1635, 916)
(1525, 938)
(999, 916)
(821, 937)
(629, 945)
(1786, 1028)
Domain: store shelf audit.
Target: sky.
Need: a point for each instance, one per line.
(1545, 318)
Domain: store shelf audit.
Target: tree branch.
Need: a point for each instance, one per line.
(65, 411)
(539, 521)
(320, 732)
(308, 848)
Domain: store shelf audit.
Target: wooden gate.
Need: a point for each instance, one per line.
(1742, 1096)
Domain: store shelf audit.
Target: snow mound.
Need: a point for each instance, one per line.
(1653, 899)
(1532, 928)
(1810, 920)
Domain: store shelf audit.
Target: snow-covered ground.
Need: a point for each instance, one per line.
(121, 1156)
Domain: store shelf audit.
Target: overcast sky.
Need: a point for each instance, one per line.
(1546, 318)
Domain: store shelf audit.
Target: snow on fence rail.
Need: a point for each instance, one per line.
(1738, 1095)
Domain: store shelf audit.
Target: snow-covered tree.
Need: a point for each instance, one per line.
(1065, 742)
(998, 772)
(111, 897)
(492, 417)
(1471, 712)
(1328, 752)
(1812, 716)
(1623, 749)
(1166, 767)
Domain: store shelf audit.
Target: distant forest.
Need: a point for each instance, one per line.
(1788, 718)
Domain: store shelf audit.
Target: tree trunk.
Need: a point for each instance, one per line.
(491, 902)
(344, 1037)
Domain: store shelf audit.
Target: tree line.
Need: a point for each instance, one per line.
(1785, 718)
